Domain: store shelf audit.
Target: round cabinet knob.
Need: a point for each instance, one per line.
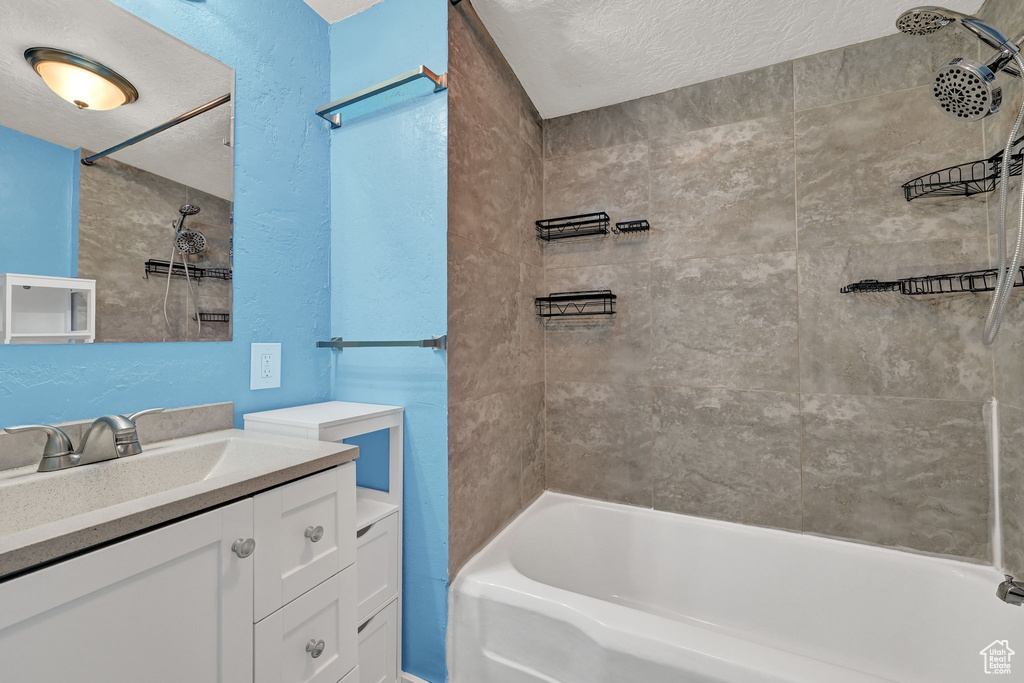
(314, 533)
(315, 648)
(243, 547)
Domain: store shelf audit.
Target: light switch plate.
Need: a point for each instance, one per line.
(265, 366)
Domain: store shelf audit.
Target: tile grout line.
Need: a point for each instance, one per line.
(650, 313)
(796, 242)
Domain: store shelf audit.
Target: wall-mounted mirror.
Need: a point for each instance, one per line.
(134, 244)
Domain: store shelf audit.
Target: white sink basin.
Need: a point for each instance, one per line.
(168, 480)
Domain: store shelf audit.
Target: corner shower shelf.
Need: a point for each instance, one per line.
(158, 267)
(573, 226)
(564, 304)
(951, 283)
(632, 226)
(964, 180)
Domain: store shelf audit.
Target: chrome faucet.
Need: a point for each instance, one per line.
(59, 454)
(1011, 592)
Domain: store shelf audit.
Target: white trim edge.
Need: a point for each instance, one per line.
(409, 678)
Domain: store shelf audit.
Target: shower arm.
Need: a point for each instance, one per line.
(1003, 61)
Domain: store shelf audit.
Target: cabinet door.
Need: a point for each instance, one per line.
(377, 565)
(378, 647)
(292, 558)
(313, 638)
(168, 606)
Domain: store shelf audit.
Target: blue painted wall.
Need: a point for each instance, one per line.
(279, 50)
(389, 195)
(38, 206)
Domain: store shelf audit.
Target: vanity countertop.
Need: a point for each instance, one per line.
(45, 516)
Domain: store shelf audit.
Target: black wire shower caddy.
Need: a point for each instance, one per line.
(213, 317)
(565, 304)
(964, 180)
(632, 226)
(197, 273)
(573, 226)
(950, 283)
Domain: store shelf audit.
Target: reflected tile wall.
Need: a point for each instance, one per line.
(496, 460)
(774, 399)
(125, 219)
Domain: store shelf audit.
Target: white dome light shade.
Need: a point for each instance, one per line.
(80, 80)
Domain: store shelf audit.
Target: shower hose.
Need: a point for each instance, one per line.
(1006, 273)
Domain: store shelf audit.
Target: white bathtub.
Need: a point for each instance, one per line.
(579, 591)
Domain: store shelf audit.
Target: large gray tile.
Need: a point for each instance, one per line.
(732, 455)
(887, 343)
(476, 66)
(599, 441)
(853, 158)
(485, 175)
(1011, 453)
(484, 316)
(533, 430)
(615, 349)
(490, 439)
(1005, 15)
(741, 97)
(726, 322)
(529, 206)
(876, 67)
(610, 126)
(894, 471)
(612, 179)
(724, 190)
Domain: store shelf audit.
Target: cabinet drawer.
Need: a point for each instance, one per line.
(287, 520)
(377, 565)
(322, 620)
(378, 646)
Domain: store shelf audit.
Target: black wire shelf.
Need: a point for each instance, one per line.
(565, 304)
(573, 226)
(965, 180)
(213, 317)
(197, 273)
(950, 283)
(632, 226)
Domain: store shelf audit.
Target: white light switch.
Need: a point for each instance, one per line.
(265, 366)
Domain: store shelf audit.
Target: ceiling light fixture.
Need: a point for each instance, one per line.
(83, 82)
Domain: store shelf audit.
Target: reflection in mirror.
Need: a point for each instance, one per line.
(116, 177)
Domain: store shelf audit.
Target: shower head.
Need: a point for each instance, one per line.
(967, 90)
(923, 21)
(189, 210)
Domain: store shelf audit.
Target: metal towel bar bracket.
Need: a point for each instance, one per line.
(439, 343)
(331, 112)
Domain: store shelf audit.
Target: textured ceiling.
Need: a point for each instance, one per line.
(171, 78)
(336, 10)
(575, 55)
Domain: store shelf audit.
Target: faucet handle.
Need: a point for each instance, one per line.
(57, 442)
(151, 411)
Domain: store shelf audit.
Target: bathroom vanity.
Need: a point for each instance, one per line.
(227, 556)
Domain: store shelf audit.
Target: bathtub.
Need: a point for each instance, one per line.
(580, 591)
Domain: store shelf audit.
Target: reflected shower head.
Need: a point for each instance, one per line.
(923, 21)
(189, 210)
(967, 90)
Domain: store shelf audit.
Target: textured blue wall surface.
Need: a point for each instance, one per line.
(389, 180)
(279, 50)
(39, 201)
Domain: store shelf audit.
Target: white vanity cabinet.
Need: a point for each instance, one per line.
(186, 602)
(167, 606)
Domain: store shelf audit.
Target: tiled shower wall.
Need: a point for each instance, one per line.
(1008, 16)
(125, 218)
(735, 381)
(495, 270)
